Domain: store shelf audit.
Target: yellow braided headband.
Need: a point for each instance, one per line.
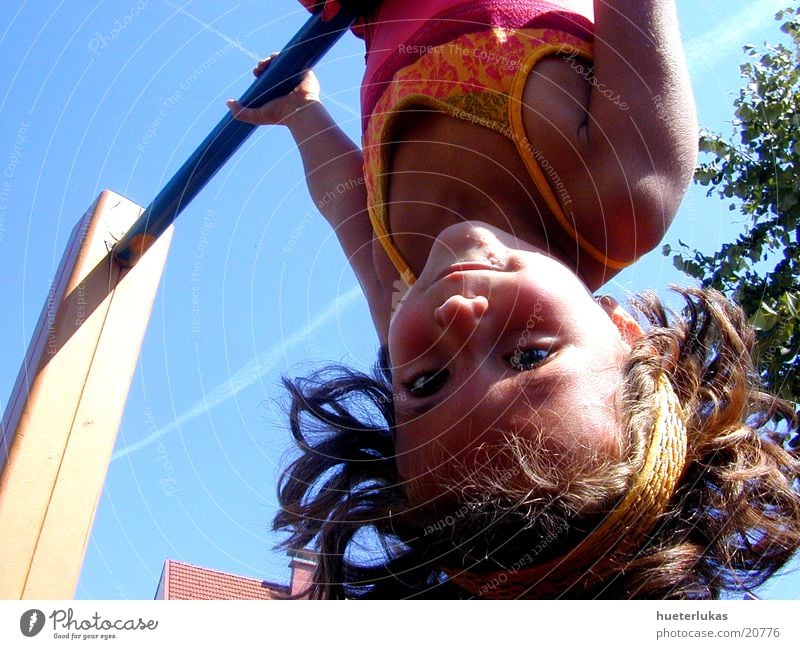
(607, 549)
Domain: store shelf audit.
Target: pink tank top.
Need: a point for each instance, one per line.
(399, 32)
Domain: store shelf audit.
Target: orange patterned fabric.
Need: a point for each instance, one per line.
(478, 77)
(398, 32)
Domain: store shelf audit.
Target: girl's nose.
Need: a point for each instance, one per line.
(459, 315)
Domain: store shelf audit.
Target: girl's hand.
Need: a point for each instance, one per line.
(281, 110)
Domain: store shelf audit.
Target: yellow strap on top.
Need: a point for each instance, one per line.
(526, 149)
(377, 201)
(485, 95)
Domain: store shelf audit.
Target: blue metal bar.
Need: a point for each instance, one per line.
(307, 47)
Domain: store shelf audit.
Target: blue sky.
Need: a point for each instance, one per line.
(117, 96)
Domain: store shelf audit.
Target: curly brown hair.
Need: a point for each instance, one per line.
(734, 519)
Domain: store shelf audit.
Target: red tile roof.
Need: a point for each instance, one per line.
(186, 581)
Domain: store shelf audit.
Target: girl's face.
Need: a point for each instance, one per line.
(498, 337)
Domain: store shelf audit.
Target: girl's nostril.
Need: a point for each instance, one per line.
(461, 312)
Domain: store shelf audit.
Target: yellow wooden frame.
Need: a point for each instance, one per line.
(61, 422)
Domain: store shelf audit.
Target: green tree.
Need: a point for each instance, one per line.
(758, 170)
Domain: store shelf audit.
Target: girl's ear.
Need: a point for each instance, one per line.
(624, 321)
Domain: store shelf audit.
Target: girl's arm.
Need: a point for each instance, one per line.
(636, 145)
(638, 48)
(333, 167)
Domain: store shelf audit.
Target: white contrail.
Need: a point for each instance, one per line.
(708, 49)
(230, 41)
(332, 100)
(250, 373)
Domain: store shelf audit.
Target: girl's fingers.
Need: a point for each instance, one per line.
(239, 112)
(263, 63)
(257, 116)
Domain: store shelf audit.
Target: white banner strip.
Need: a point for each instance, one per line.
(407, 624)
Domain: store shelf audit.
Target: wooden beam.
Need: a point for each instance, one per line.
(61, 422)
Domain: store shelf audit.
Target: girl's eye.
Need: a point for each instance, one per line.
(523, 360)
(427, 385)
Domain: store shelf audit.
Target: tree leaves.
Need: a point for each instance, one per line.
(758, 170)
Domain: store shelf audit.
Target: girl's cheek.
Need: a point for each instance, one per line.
(401, 340)
(407, 324)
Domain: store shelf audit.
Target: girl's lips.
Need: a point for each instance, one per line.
(465, 266)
